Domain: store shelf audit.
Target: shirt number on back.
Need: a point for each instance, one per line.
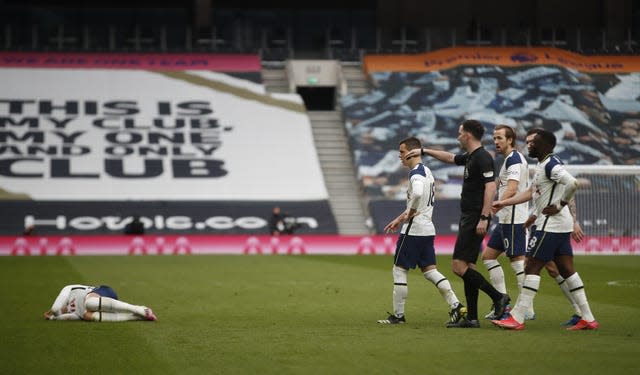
(432, 194)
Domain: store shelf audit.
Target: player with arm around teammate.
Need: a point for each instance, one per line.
(552, 188)
(415, 245)
(577, 236)
(98, 304)
(509, 235)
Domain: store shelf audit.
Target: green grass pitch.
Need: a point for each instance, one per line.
(302, 315)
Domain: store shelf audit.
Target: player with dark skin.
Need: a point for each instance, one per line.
(551, 190)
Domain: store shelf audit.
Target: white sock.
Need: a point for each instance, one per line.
(577, 290)
(400, 290)
(565, 289)
(525, 299)
(107, 304)
(518, 268)
(496, 275)
(443, 285)
(100, 316)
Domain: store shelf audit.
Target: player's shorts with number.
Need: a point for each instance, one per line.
(509, 238)
(547, 245)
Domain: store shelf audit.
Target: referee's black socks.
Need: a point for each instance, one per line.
(476, 279)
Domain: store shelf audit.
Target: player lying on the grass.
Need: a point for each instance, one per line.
(415, 243)
(98, 304)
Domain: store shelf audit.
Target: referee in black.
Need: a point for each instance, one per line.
(478, 191)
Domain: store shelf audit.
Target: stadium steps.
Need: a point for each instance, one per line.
(357, 83)
(334, 153)
(275, 79)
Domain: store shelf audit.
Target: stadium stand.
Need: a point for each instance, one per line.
(187, 142)
(590, 112)
(284, 29)
(595, 115)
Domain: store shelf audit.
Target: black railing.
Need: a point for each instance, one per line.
(280, 43)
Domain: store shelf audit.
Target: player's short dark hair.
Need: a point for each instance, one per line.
(533, 131)
(412, 143)
(474, 127)
(508, 132)
(548, 138)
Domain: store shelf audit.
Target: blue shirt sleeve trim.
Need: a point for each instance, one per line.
(553, 161)
(514, 158)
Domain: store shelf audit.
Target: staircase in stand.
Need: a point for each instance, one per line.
(334, 153)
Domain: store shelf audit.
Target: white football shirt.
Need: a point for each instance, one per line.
(515, 167)
(72, 297)
(548, 189)
(421, 196)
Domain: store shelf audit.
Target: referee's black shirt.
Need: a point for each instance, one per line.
(478, 170)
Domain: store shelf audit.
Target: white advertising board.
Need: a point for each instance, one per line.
(111, 134)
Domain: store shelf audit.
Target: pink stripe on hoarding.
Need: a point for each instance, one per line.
(143, 61)
(256, 245)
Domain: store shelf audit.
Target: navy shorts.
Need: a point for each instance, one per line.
(105, 291)
(412, 251)
(509, 238)
(468, 243)
(546, 245)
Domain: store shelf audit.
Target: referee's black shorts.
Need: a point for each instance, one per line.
(468, 243)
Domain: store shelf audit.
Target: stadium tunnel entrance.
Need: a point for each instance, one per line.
(318, 98)
(317, 82)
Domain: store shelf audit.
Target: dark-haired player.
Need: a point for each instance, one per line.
(415, 246)
(552, 189)
(478, 190)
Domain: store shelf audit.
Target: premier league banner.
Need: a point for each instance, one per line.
(81, 139)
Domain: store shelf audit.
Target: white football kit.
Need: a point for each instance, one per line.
(71, 297)
(420, 195)
(515, 167)
(549, 184)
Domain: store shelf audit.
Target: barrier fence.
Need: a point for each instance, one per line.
(257, 245)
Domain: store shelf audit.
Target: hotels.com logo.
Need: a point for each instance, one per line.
(158, 222)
